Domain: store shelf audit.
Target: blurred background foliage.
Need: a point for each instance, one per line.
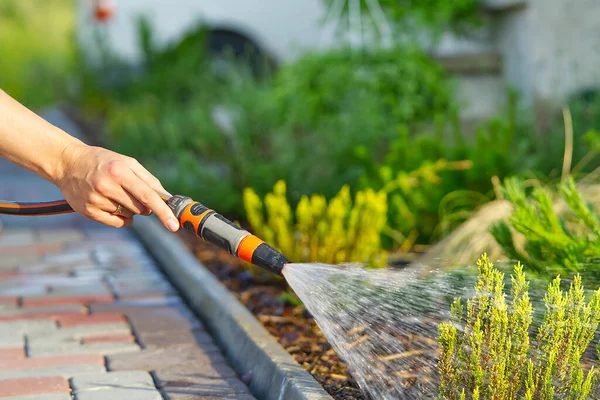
(36, 49)
(378, 118)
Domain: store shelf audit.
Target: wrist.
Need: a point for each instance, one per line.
(69, 153)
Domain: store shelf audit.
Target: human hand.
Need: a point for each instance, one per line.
(95, 181)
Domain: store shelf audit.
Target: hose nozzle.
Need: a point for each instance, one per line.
(216, 229)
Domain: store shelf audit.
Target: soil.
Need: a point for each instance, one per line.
(290, 324)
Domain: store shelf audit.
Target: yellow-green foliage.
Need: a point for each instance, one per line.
(334, 232)
(489, 354)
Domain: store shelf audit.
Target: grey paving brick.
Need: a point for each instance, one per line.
(25, 290)
(69, 332)
(66, 371)
(171, 338)
(160, 358)
(11, 339)
(68, 257)
(29, 327)
(163, 319)
(17, 237)
(119, 393)
(18, 260)
(62, 348)
(57, 235)
(192, 370)
(47, 396)
(94, 289)
(220, 388)
(134, 385)
(7, 308)
(137, 379)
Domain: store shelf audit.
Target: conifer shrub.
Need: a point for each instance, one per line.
(550, 243)
(487, 352)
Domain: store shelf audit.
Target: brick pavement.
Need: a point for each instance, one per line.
(86, 314)
(92, 318)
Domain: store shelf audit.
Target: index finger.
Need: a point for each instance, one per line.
(149, 198)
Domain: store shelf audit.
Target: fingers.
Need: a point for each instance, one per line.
(148, 198)
(111, 220)
(129, 202)
(110, 196)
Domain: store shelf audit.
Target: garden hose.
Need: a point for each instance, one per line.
(194, 217)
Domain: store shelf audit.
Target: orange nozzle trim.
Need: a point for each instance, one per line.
(187, 216)
(247, 247)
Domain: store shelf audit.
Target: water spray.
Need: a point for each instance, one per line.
(193, 217)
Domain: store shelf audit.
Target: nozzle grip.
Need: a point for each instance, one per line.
(216, 229)
(207, 224)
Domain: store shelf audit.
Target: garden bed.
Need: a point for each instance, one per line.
(291, 325)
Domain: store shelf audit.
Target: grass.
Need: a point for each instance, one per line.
(36, 48)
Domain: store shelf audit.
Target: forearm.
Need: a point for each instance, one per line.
(30, 142)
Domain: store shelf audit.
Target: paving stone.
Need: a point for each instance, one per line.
(36, 301)
(171, 338)
(51, 349)
(39, 268)
(46, 362)
(119, 393)
(218, 388)
(47, 396)
(51, 310)
(8, 305)
(17, 237)
(181, 394)
(124, 306)
(33, 386)
(162, 319)
(109, 338)
(56, 235)
(67, 259)
(23, 315)
(24, 290)
(17, 260)
(135, 287)
(77, 332)
(131, 385)
(32, 327)
(192, 370)
(129, 379)
(75, 320)
(160, 358)
(12, 353)
(66, 371)
(10, 339)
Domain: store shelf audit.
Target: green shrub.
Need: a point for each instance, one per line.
(333, 232)
(302, 127)
(488, 353)
(386, 86)
(457, 171)
(549, 243)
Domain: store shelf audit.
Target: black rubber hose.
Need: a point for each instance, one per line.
(33, 209)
